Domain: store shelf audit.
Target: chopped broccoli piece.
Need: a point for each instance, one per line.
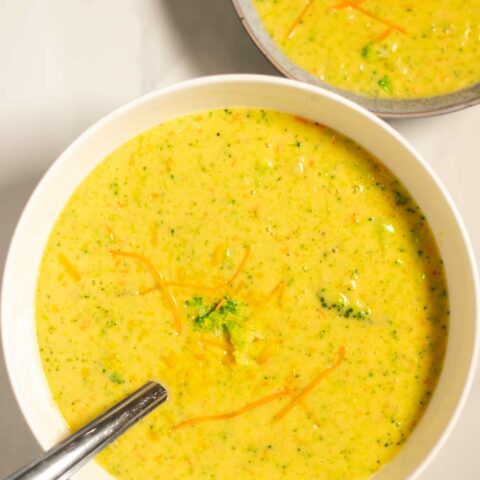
(385, 83)
(366, 50)
(227, 318)
(194, 302)
(343, 308)
(116, 378)
(230, 306)
(211, 318)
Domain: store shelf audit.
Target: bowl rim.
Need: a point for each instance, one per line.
(383, 107)
(235, 79)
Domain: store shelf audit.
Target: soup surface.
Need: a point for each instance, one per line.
(397, 48)
(280, 282)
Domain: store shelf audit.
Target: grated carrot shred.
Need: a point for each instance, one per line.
(160, 284)
(310, 387)
(69, 267)
(296, 23)
(226, 416)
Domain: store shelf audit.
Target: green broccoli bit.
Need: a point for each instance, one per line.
(116, 378)
(342, 307)
(366, 50)
(210, 318)
(194, 302)
(385, 83)
(225, 317)
(401, 198)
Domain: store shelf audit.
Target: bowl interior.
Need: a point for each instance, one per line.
(18, 323)
(387, 108)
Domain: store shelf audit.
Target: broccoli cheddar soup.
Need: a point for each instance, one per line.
(279, 281)
(394, 48)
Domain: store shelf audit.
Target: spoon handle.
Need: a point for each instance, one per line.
(68, 456)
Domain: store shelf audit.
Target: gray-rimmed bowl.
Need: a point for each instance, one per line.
(384, 107)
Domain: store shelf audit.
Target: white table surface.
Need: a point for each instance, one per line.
(66, 63)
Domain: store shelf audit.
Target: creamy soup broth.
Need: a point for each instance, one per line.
(279, 281)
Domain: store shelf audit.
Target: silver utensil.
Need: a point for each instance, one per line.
(69, 455)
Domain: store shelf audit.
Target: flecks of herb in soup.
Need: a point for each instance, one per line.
(279, 280)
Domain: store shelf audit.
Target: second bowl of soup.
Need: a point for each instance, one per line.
(398, 58)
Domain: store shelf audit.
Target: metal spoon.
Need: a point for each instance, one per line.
(69, 455)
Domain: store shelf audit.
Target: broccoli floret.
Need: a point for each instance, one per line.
(366, 50)
(385, 83)
(342, 307)
(225, 317)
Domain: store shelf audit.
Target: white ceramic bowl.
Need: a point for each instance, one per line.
(18, 325)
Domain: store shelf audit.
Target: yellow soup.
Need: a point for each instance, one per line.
(398, 48)
(278, 279)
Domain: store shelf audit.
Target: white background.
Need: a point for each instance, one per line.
(66, 63)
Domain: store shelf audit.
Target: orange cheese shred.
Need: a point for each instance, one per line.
(277, 290)
(310, 414)
(385, 34)
(220, 286)
(298, 20)
(219, 254)
(267, 353)
(303, 120)
(217, 343)
(69, 267)
(347, 3)
(385, 21)
(160, 284)
(311, 386)
(153, 235)
(225, 416)
(357, 5)
(219, 304)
